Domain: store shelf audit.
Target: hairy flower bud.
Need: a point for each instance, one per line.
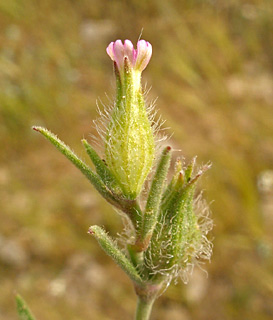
(179, 238)
(130, 143)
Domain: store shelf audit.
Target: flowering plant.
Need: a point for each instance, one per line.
(166, 233)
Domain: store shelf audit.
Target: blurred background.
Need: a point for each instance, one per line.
(212, 71)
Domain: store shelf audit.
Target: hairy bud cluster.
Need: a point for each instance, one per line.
(168, 231)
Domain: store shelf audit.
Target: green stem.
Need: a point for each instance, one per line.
(144, 309)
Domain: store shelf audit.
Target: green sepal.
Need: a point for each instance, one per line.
(178, 175)
(95, 180)
(174, 190)
(155, 195)
(200, 173)
(102, 170)
(164, 250)
(189, 170)
(184, 224)
(111, 248)
(22, 309)
(119, 92)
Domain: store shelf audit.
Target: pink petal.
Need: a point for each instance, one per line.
(138, 58)
(119, 53)
(143, 54)
(129, 51)
(110, 51)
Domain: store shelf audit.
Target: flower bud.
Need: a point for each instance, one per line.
(179, 238)
(130, 146)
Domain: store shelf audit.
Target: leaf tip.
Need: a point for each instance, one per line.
(91, 231)
(35, 128)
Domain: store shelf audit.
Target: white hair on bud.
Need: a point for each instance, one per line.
(194, 252)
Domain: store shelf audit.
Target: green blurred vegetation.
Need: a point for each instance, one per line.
(212, 71)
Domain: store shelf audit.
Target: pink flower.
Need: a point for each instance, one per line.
(138, 58)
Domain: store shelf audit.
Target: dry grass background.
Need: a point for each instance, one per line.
(212, 71)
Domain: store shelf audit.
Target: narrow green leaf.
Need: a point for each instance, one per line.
(102, 170)
(70, 155)
(110, 247)
(22, 309)
(155, 194)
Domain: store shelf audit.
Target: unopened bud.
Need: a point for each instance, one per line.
(179, 238)
(130, 143)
